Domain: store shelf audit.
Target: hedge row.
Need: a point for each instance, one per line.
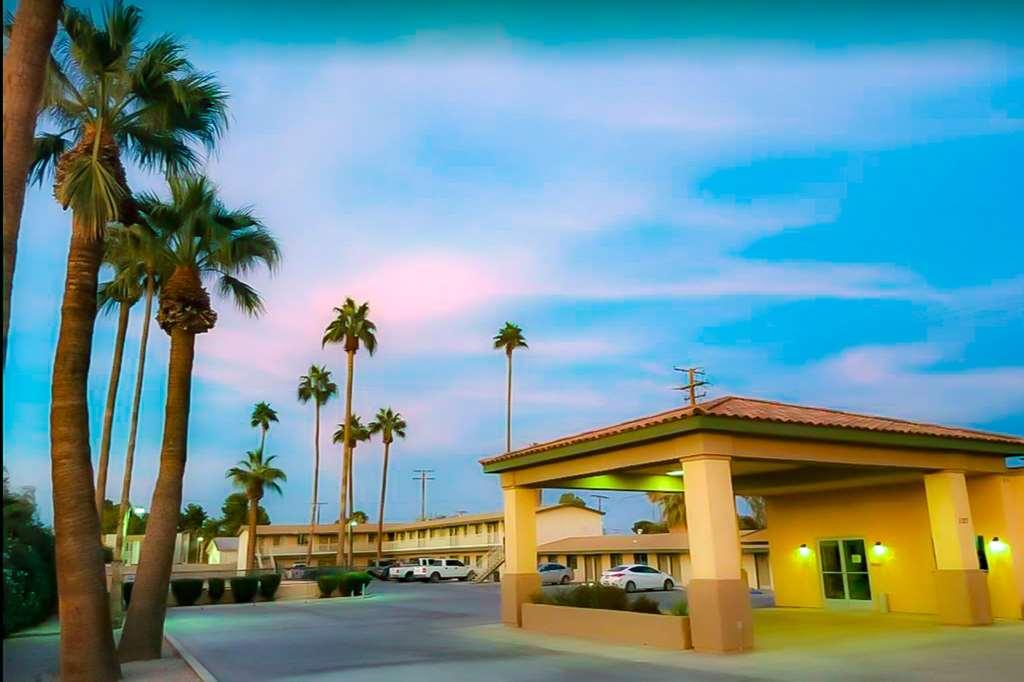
(352, 583)
(187, 591)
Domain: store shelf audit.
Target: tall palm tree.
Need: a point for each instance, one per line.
(193, 516)
(262, 416)
(357, 434)
(673, 509)
(508, 339)
(253, 475)
(315, 385)
(203, 238)
(25, 59)
(143, 247)
(109, 95)
(390, 425)
(122, 292)
(353, 328)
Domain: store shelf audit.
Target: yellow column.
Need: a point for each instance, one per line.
(963, 596)
(997, 509)
(720, 615)
(520, 578)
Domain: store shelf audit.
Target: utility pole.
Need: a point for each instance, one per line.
(423, 478)
(600, 499)
(317, 510)
(696, 380)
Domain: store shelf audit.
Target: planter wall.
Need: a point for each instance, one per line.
(286, 591)
(614, 627)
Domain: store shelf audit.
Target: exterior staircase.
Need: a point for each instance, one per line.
(492, 562)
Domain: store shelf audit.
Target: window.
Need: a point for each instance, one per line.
(640, 558)
(303, 539)
(276, 540)
(616, 559)
(453, 562)
(571, 560)
(434, 562)
(465, 560)
(982, 559)
(552, 558)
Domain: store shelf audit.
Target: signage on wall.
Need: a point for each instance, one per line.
(1015, 462)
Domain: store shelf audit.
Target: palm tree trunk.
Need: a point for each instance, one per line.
(383, 488)
(263, 438)
(316, 486)
(35, 24)
(124, 310)
(116, 581)
(250, 548)
(86, 642)
(346, 457)
(352, 506)
(144, 629)
(508, 407)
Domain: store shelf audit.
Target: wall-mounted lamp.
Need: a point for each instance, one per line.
(996, 545)
(677, 472)
(804, 551)
(878, 549)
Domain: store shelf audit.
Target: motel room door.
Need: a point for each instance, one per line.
(844, 573)
(590, 566)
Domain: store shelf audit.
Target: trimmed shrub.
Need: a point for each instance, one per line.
(327, 584)
(243, 589)
(215, 588)
(126, 590)
(269, 583)
(187, 590)
(680, 608)
(344, 585)
(645, 605)
(586, 597)
(357, 582)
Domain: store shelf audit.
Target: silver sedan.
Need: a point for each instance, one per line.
(554, 574)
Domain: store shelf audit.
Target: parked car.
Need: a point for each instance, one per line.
(555, 574)
(633, 577)
(379, 569)
(433, 570)
(296, 571)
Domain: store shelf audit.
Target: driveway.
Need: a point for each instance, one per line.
(405, 631)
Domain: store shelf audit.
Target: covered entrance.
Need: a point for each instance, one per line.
(862, 511)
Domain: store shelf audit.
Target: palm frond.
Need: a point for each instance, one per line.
(244, 296)
(92, 191)
(47, 149)
(157, 149)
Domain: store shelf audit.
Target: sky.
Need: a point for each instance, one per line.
(815, 206)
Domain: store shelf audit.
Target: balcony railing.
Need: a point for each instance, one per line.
(445, 542)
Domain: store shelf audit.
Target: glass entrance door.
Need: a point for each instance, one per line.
(844, 572)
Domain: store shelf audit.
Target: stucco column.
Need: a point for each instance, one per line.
(520, 578)
(963, 596)
(720, 615)
(997, 509)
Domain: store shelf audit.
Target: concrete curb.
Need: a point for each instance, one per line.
(198, 668)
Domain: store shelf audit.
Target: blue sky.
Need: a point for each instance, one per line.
(815, 207)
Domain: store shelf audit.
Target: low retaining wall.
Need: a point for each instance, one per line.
(286, 591)
(614, 627)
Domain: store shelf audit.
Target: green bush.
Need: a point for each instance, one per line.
(269, 583)
(355, 582)
(645, 605)
(187, 590)
(30, 580)
(586, 597)
(215, 588)
(680, 608)
(126, 590)
(243, 589)
(327, 584)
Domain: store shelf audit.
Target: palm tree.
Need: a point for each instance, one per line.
(350, 327)
(262, 415)
(673, 509)
(253, 475)
(317, 386)
(758, 510)
(357, 434)
(122, 292)
(109, 95)
(389, 424)
(191, 521)
(25, 58)
(509, 338)
(202, 238)
(140, 247)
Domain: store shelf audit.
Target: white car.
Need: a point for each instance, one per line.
(433, 570)
(633, 577)
(554, 574)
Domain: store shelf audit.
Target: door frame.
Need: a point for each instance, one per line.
(845, 604)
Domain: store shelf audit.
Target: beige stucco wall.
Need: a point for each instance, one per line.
(567, 522)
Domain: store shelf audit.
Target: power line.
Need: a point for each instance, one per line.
(696, 380)
(423, 478)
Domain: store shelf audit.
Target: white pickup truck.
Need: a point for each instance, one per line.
(433, 570)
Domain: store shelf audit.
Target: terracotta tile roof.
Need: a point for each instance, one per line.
(655, 542)
(767, 411)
